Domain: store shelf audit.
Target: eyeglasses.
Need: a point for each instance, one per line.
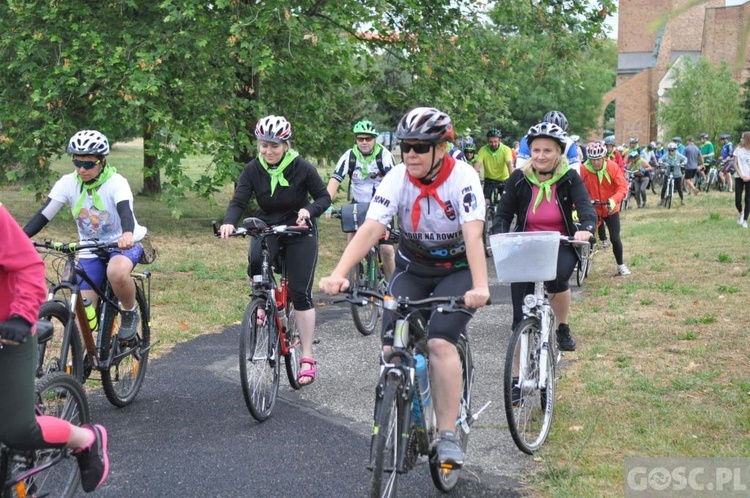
(418, 148)
(365, 139)
(85, 164)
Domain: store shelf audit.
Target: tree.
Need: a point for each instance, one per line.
(704, 99)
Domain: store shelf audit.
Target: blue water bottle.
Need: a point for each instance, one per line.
(423, 380)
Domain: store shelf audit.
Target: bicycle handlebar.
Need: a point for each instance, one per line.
(446, 304)
(70, 247)
(256, 227)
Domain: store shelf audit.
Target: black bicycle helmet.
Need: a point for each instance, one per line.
(557, 118)
(427, 124)
(494, 132)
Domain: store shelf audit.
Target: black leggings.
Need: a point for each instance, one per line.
(566, 263)
(613, 226)
(301, 258)
(446, 326)
(741, 186)
(19, 427)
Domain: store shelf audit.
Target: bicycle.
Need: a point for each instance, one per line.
(369, 273)
(404, 425)
(583, 267)
(497, 192)
(630, 178)
(669, 191)
(712, 177)
(48, 471)
(269, 329)
(657, 180)
(122, 365)
(532, 357)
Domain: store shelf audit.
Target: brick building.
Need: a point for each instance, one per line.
(645, 54)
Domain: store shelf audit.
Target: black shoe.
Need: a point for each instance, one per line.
(515, 394)
(93, 461)
(448, 452)
(565, 341)
(128, 325)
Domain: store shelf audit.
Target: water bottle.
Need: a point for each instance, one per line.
(90, 313)
(420, 364)
(281, 308)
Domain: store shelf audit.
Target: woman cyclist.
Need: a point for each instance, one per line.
(102, 206)
(283, 183)
(742, 178)
(605, 182)
(441, 211)
(22, 291)
(641, 171)
(542, 195)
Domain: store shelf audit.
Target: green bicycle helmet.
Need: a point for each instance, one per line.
(494, 132)
(365, 128)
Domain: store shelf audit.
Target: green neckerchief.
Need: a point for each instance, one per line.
(277, 177)
(545, 187)
(365, 161)
(93, 189)
(599, 172)
(496, 152)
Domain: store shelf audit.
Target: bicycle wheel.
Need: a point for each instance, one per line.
(259, 360)
(58, 395)
(365, 317)
(529, 415)
(711, 179)
(127, 368)
(668, 201)
(446, 480)
(51, 356)
(291, 359)
(386, 440)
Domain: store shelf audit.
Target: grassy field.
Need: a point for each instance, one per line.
(662, 365)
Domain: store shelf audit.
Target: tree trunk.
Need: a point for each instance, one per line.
(151, 173)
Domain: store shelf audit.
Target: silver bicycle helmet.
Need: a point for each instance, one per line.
(547, 130)
(273, 129)
(558, 118)
(425, 123)
(596, 150)
(88, 143)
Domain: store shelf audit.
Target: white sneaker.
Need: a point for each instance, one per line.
(744, 224)
(623, 270)
(739, 219)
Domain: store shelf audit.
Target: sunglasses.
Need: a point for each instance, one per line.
(365, 139)
(418, 148)
(85, 164)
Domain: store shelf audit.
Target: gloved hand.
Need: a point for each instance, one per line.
(328, 212)
(15, 330)
(611, 205)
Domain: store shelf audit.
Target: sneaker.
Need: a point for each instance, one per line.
(564, 339)
(623, 270)
(605, 244)
(515, 394)
(93, 461)
(128, 325)
(740, 220)
(448, 452)
(744, 224)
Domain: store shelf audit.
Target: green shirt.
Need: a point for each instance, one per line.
(707, 151)
(495, 164)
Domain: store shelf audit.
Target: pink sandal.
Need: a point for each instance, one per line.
(310, 372)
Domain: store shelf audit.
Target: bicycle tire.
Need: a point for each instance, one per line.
(581, 271)
(365, 317)
(127, 368)
(668, 202)
(709, 181)
(590, 261)
(62, 396)
(259, 370)
(445, 481)
(58, 313)
(386, 441)
(292, 358)
(530, 420)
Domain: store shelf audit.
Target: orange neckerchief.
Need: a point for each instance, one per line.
(430, 189)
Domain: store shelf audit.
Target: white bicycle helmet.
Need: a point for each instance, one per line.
(547, 130)
(273, 129)
(425, 123)
(596, 150)
(88, 143)
(609, 140)
(558, 118)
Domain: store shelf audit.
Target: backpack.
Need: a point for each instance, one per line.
(353, 164)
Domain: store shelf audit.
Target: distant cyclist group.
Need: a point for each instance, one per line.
(440, 194)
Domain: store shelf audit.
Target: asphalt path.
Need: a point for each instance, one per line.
(189, 433)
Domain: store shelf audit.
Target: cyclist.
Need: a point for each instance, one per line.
(606, 182)
(742, 178)
(673, 163)
(612, 153)
(707, 152)
(680, 145)
(282, 183)
(441, 214)
(470, 151)
(571, 152)
(641, 170)
(727, 161)
(366, 164)
(543, 195)
(22, 291)
(694, 161)
(494, 162)
(102, 206)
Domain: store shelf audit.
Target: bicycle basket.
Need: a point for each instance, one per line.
(149, 250)
(353, 215)
(525, 256)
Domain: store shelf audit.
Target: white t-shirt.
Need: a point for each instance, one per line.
(741, 162)
(438, 236)
(363, 185)
(94, 224)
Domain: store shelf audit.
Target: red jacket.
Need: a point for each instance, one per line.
(616, 187)
(22, 284)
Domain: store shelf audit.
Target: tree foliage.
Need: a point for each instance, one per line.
(703, 99)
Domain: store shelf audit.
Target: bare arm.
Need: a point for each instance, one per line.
(480, 291)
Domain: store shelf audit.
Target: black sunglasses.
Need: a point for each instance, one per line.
(85, 164)
(418, 148)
